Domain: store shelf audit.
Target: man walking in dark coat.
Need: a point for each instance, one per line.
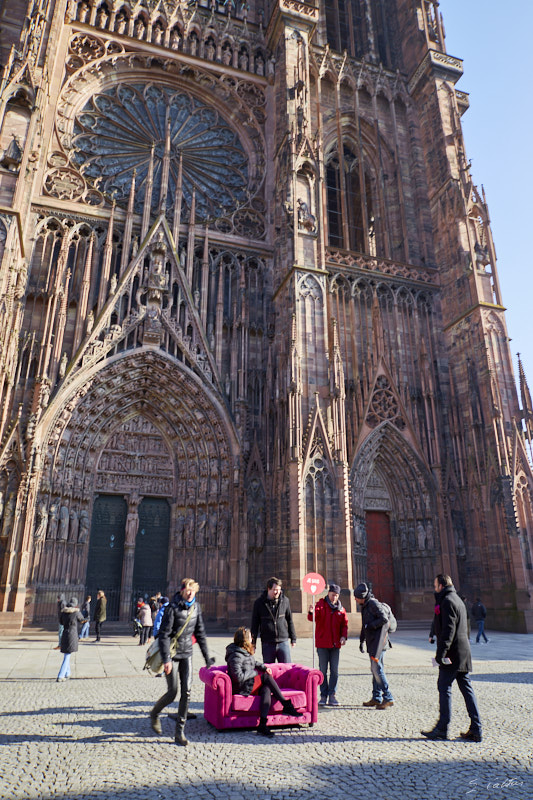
(479, 614)
(374, 631)
(100, 613)
(272, 620)
(454, 659)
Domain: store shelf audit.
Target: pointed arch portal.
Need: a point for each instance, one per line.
(140, 455)
(395, 543)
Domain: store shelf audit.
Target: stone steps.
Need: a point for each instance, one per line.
(10, 622)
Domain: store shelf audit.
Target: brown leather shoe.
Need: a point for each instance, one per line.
(371, 703)
(385, 704)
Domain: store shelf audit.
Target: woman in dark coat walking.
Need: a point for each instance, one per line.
(249, 676)
(70, 616)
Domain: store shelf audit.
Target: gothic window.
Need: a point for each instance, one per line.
(345, 25)
(115, 132)
(350, 232)
(364, 28)
(319, 502)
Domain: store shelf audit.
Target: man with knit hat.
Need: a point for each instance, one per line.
(331, 632)
(374, 631)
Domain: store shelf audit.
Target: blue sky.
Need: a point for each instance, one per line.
(493, 40)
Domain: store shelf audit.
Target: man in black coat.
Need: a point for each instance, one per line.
(182, 619)
(272, 620)
(454, 659)
(374, 631)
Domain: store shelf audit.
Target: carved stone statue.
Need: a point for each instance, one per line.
(306, 220)
(90, 322)
(62, 532)
(212, 528)
(63, 366)
(421, 536)
(73, 526)
(180, 525)
(210, 50)
(83, 535)
(201, 522)
(101, 19)
(139, 29)
(227, 55)
(243, 60)
(188, 530)
(42, 522)
(132, 526)
(83, 11)
(1, 505)
(121, 22)
(175, 39)
(53, 519)
(259, 65)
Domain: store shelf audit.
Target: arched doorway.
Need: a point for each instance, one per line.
(145, 443)
(395, 534)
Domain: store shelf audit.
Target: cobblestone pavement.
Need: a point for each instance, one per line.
(89, 738)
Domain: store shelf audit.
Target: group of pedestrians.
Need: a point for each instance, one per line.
(179, 622)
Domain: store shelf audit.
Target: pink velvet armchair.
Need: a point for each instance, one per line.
(224, 710)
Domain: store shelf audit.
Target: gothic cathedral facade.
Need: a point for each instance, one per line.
(250, 318)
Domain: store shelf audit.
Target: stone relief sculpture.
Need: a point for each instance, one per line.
(73, 526)
(53, 519)
(64, 518)
(83, 535)
(42, 522)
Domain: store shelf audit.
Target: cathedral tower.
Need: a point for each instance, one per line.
(250, 314)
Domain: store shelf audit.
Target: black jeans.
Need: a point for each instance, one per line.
(268, 688)
(145, 634)
(97, 629)
(181, 668)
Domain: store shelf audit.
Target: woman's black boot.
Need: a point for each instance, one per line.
(263, 729)
(290, 710)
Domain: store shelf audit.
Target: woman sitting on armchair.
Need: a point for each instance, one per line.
(249, 676)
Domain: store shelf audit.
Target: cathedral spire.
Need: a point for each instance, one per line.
(177, 203)
(165, 170)
(148, 195)
(527, 406)
(108, 252)
(205, 279)
(128, 226)
(84, 294)
(190, 240)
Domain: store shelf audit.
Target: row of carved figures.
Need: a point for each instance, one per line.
(61, 522)
(139, 27)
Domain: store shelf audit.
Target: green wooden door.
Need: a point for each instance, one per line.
(151, 547)
(106, 551)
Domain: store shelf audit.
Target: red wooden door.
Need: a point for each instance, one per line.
(380, 568)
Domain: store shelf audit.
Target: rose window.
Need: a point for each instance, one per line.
(115, 133)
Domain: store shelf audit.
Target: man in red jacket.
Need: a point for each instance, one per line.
(331, 632)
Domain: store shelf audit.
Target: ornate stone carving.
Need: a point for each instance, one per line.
(384, 405)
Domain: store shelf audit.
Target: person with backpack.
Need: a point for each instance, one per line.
(331, 632)
(375, 628)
